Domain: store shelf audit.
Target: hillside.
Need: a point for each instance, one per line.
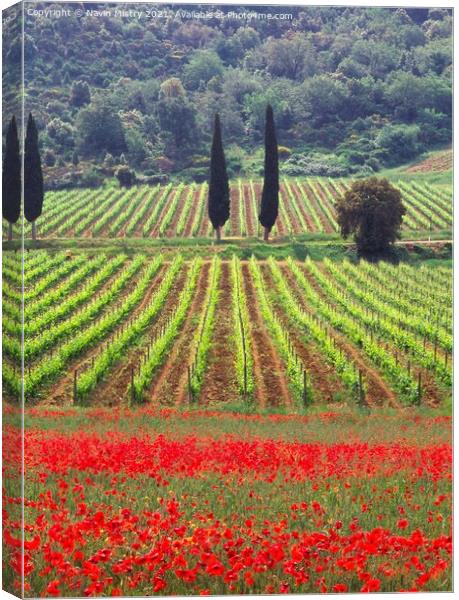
(354, 90)
(437, 162)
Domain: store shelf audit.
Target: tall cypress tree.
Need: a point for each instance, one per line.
(219, 196)
(33, 176)
(11, 178)
(270, 197)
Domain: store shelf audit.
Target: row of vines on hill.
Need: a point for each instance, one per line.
(306, 206)
(90, 315)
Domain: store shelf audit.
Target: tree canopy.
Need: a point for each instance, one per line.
(335, 77)
(371, 210)
(219, 198)
(11, 176)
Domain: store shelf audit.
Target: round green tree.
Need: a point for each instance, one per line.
(371, 210)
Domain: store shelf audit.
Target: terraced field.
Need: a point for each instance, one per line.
(306, 206)
(116, 330)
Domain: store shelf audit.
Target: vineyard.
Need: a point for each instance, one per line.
(117, 330)
(305, 206)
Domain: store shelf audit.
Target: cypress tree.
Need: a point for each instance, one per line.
(270, 197)
(219, 197)
(11, 178)
(33, 176)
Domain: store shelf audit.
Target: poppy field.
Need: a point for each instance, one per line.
(163, 501)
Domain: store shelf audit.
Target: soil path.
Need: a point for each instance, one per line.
(327, 226)
(300, 203)
(271, 388)
(171, 230)
(378, 392)
(326, 385)
(104, 286)
(187, 231)
(290, 211)
(432, 393)
(234, 211)
(155, 231)
(60, 393)
(140, 205)
(251, 218)
(169, 386)
(113, 390)
(220, 380)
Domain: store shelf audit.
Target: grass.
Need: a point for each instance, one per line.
(124, 497)
(317, 246)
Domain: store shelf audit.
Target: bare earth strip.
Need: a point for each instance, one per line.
(155, 231)
(300, 203)
(285, 198)
(251, 218)
(378, 392)
(234, 211)
(187, 231)
(271, 388)
(220, 380)
(326, 385)
(326, 202)
(60, 393)
(142, 202)
(328, 227)
(114, 389)
(170, 385)
(171, 230)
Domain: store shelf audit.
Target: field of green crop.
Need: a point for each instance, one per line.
(180, 211)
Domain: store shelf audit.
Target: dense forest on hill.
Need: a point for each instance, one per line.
(353, 89)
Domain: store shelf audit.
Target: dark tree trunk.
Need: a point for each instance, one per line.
(34, 230)
(266, 232)
(10, 231)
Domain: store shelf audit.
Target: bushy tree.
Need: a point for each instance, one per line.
(33, 176)
(11, 178)
(177, 118)
(372, 210)
(125, 176)
(269, 206)
(219, 197)
(292, 57)
(100, 130)
(80, 94)
(398, 143)
(203, 65)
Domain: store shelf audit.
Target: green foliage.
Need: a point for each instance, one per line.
(334, 71)
(398, 143)
(269, 206)
(99, 131)
(11, 175)
(202, 66)
(125, 176)
(372, 210)
(315, 164)
(80, 94)
(33, 176)
(219, 199)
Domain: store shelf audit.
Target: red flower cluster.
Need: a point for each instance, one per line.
(113, 514)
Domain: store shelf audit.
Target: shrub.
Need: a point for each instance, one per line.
(399, 143)
(283, 152)
(315, 164)
(92, 179)
(49, 158)
(125, 176)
